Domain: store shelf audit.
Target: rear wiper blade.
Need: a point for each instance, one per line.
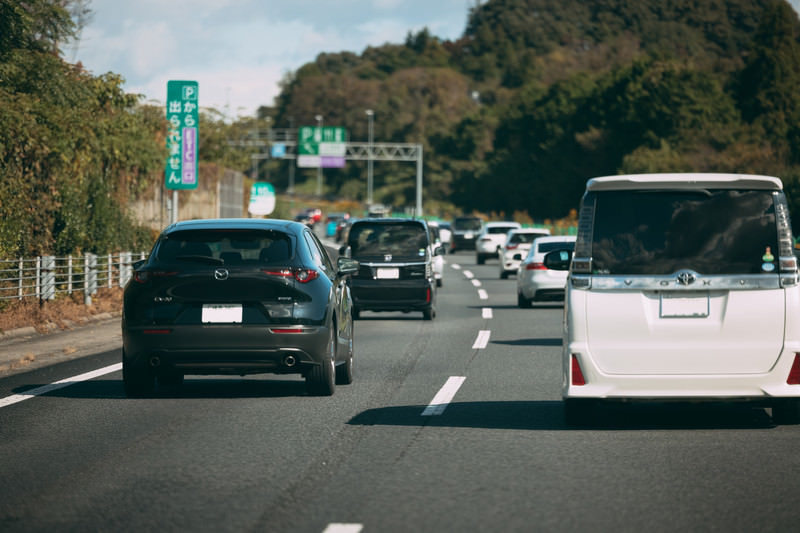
(201, 259)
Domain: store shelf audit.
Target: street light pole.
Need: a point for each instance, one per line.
(370, 115)
(319, 168)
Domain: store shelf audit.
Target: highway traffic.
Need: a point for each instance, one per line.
(454, 424)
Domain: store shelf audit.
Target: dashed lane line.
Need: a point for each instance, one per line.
(44, 389)
(444, 396)
(482, 340)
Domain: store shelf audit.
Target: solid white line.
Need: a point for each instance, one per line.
(482, 294)
(44, 389)
(469, 274)
(343, 528)
(487, 312)
(444, 396)
(482, 340)
(476, 282)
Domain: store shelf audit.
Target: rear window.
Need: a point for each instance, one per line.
(228, 246)
(499, 229)
(545, 247)
(661, 232)
(397, 239)
(526, 238)
(467, 224)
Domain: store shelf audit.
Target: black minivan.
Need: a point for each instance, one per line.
(396, 272)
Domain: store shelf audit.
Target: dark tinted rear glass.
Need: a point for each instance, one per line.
(467, 224)
(399, 239)
(545, 247)
(661, 232)
(230, 246)
(499, 229)
(525, 237)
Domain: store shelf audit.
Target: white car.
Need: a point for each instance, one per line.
(536, 282)
(516, 248)
(437, 259)
(682, 287)
(491, 239)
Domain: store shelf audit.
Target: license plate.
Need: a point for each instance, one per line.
(679, 306)
(387, 273)
(222, 313)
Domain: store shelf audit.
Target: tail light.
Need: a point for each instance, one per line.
(143, 276)
(577, 374)
(512, 246)
(428, 294)
(302, 275)
(535, 266)
(794, 373)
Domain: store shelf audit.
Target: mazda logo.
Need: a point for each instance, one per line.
(387, 257)
(686, 278)
(221, 274)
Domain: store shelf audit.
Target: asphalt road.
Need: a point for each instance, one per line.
(393, 451)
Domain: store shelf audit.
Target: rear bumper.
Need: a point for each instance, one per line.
(400, 295)
(689, 387)
(223, 349)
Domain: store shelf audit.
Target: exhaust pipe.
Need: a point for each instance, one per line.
(155, 361)
(289, 360)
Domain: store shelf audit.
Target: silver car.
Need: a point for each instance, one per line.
(537, 282)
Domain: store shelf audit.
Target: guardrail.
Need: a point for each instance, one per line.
(45, 276)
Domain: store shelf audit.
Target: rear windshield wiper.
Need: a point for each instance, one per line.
(201, 259)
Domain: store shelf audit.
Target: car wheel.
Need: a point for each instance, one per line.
(786, 411)
(344, 372)
(439, 282)
(321, 379)
(138, 383)
(504, 274)
(429, 314)
(523, 302)
(356, 313)
(480, 259)
(578, 412)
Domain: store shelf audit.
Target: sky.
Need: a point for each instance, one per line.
(239, 50)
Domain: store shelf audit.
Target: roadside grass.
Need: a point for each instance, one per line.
(62, 313)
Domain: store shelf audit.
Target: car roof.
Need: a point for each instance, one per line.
(235, 223)
(509, 223)
(684, 180)
(556, 238)
(530, 230)
(387, 220)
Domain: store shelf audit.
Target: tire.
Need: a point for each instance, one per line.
(786, 411)
(480, 259)
(429, 314)
(504, 274)
(321, 380)
(171, 379)
(523, 302)
(344, 372)
(439, 282)
(356, 313)
(137, 382)
(578, 412)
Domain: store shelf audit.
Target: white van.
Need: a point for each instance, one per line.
(682, 287)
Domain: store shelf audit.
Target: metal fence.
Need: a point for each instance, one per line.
(46, 276)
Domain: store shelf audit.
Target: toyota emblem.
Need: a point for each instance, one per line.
(686, 278)
(221, 274)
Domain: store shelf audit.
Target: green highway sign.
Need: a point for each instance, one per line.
(262, 199)
(321, 146)
(182, 118)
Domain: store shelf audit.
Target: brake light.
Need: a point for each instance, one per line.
(156, 331)
(286, 330)
(428, 294)
(512, 246)
(577, 374)
(535, 266)
(303, 275)
(143, 276)
(794, 373)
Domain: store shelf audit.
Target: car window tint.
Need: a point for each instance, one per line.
(661, 232)
(395, 239)
(318, 253)
(234, 246)
(545, 247)
(467, 224)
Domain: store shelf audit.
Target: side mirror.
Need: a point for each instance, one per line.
(439, 250)
(139, 263)
(558, 259)
(345, 266)
(344, 251)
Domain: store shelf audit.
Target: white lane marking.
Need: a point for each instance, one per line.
(343, 528)
(476, 282)
(469, 274)
(44, 389)
(487, 312)
(482, 340)
(444, 396)
(456, 266)
(482, 294)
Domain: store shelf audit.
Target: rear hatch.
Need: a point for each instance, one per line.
(217, 277)
(683, 281)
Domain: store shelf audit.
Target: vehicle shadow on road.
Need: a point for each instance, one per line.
(555, 341)
(549, 416)
(191, 388)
